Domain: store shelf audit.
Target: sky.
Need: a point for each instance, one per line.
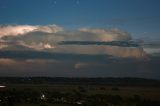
(80, 38)
(139, 17)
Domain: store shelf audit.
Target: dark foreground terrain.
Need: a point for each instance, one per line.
(44, 91)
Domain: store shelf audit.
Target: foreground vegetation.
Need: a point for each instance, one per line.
(72, 94)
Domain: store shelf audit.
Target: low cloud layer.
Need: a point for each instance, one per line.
(53, 68)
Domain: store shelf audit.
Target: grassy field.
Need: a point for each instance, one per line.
(83, 92)
(45, 104)
(152, 93)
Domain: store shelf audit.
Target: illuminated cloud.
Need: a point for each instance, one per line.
(108, 35)
(116, 51)
(15, 30)
(40, 46)
(47, 38)
(20, 45)
(56, 33)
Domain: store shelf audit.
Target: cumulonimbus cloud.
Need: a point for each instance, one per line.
(47, 38)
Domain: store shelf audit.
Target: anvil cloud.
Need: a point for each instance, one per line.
(53, 31)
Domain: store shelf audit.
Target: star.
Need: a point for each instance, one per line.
(55, 2)
(77, 2)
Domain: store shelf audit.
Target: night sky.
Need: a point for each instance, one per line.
(80, 38)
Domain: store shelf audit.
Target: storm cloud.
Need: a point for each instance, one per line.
(49, 38)
(51, 50)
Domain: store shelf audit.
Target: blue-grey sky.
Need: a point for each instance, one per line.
(138, 17)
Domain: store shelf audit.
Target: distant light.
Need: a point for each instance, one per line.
(79, 103)
(43, 97)
(2, 86)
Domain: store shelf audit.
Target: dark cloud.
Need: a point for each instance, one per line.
(54, 56)
(112, 43)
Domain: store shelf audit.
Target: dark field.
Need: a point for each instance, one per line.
(71, 92)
